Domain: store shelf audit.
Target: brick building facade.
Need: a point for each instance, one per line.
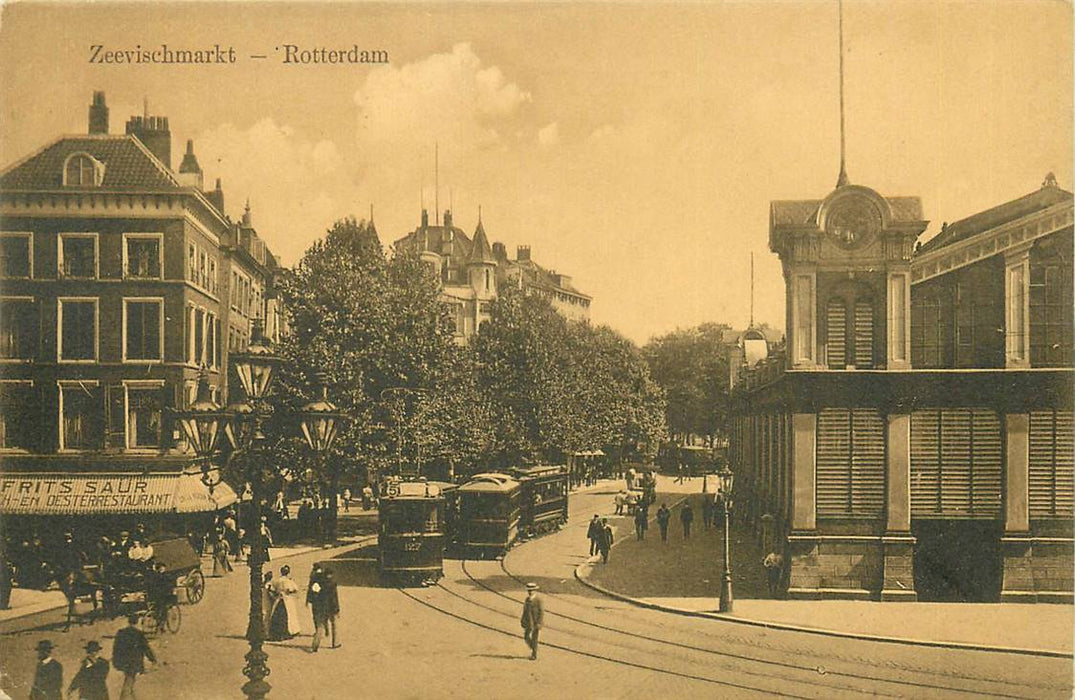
(120, 277)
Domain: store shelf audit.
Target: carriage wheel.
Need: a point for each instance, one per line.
(195, 585)
(174, 619)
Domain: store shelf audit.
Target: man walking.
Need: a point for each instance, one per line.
(533, 618)
(707, 510)
(663, 516)
(129, 652)
(323, 597)
(593, 532)
(641, 523)
(774, 572)
(604, 540)
(686, 516)
(90, 679)
(48, 676)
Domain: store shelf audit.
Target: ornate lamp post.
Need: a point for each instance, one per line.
(320, 424)
(256, 369)
(724, 494)
(201, 426)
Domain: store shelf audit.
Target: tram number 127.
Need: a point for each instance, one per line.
(412, 545)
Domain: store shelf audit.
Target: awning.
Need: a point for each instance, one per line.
(102, 493)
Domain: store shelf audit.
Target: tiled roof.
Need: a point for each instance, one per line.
(128, 165)
(997, 216)
(792, 212)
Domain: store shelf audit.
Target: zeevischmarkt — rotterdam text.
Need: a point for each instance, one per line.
(163, 54)
(216, 55)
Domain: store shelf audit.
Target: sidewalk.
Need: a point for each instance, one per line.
(683, 575)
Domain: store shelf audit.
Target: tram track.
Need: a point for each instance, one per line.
(732, 668)
(593, 655)
(773, 662)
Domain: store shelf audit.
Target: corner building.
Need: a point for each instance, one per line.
(120, 278)
(914, 438)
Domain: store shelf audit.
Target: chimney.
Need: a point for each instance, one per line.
(500, 252)
(522, 253)
(448, 218)
(190, 173)
(425, 219)
(154, 134)
(217, 196)
(98, 114)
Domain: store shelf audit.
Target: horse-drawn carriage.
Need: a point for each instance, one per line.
(123, 583)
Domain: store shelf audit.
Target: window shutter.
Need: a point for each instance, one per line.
(836, 323)
(1052, 463)
(833, 462)
(986, 463)
(956, 463)
(925, 463)
(116, 418)
(867, 462)
(863, 335)
(850, 462)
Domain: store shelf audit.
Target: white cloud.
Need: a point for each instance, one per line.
(297, 187)
(549, 135)
(450, 98)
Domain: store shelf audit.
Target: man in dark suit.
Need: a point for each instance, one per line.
(604, 539)
(592, 532)
(48, 677)
(323, 597)
(533, 618)
(89, 681)
(686, 516)
(129, 651)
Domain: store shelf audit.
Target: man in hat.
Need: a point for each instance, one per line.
(604, 539)
(593, 532)
(129, 652)
(89, 681)
(48, 676)
(533, 618)
(322, 596)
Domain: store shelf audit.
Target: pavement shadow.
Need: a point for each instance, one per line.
(356, 568)
(506, 657)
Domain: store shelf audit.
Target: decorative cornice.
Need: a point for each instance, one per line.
(994, 241)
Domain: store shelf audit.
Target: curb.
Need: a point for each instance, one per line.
(581, 577)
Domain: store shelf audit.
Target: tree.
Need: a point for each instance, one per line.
(372, 322)
(556, 386)
(692, 367)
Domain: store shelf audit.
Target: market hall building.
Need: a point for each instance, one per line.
(914, 438)
(120, 279)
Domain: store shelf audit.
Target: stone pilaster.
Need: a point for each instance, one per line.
(898, 544)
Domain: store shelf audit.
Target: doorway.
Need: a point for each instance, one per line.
(957, 560)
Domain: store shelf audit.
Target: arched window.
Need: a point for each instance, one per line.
(81, 170)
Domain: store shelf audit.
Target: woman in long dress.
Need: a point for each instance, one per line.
(221, 565)
(266, 606)
(285, 622)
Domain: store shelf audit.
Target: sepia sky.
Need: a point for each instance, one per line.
(634, 147)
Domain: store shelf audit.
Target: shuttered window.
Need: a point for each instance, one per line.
(1052, 463)
(863, 335)
(850, 463)
(836, 324)
(956, 463)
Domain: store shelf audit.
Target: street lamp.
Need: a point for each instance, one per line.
(200, 424)
(320, 425)
(724, 493)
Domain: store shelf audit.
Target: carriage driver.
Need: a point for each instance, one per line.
(160, 590)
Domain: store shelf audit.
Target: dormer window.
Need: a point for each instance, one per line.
(82, 170)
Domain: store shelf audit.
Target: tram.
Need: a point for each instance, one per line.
(496, 509)
(544, 499)
(489, 511)
(411, 531)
